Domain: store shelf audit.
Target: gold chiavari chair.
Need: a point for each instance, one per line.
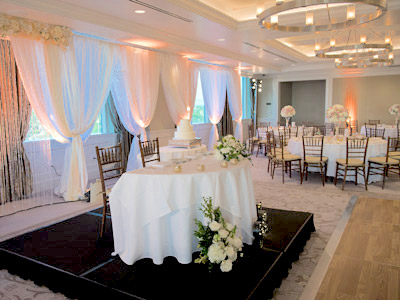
(356, 151)
(308, 131)
(342, 131)
(110, 165)
(374, 122)
(284, 159)
(382, 165)
(329, 128)
(294, 132)
(394, 151)
(268, 150)
(285, 133)
(150, 151)
(312, 156)
(370, 130)
(253, 139)
(320, 130)
(265, 124)
(398, 130)
(262, 139)
(353, 127)
(375, 132)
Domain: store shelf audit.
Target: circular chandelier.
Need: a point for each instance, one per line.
(320, 15)
(358, 50)
(364, 63)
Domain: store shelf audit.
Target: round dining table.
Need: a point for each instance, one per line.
(335, 147)
(153, 209)
(390, 130)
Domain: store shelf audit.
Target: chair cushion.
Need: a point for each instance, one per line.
(394, 153)
(288, 157)
(382, 161)
(315, 159)
(255, 139)
(353, 162)
(263, 141)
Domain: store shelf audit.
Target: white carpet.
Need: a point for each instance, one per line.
(327, 203)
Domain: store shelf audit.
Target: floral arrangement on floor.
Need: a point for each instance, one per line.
(230, 148)
(55, 34)
(217, 240)
(288, 111)
(337, 113)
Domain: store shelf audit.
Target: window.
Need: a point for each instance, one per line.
(37, 132)
(199, 111)
(247, 102)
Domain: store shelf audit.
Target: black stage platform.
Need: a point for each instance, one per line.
(68, 258)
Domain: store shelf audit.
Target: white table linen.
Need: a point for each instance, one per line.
(168, 153)
(334, 149)
(390, 130)
(153, 209)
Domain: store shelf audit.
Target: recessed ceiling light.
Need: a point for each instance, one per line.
(293, 65)
(276, 58)
(139, 11)
(221, 40)
(253, 51)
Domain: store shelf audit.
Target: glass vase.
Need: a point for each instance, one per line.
(287, 121)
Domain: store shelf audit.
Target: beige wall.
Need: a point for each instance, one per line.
(161, 119)
(266, 113)
(374, 94)
(308, 98)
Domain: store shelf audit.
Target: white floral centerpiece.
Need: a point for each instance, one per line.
(288, 112)
(337, 114)
(230, 149)
(394, 110)
(217, 240)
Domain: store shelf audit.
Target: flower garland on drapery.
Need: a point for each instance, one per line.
(55, 34)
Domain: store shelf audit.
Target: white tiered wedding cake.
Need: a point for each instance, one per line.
(184, 131)
(184, 136)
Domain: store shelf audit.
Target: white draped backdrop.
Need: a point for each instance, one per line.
(67, 89)
(179, 79)
(135, 92)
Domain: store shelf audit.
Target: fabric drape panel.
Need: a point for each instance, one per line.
(15, 111)
(213, 81)
(179, 79)
(67, 89)
(135, 92)
(235, 101)
(123, 136)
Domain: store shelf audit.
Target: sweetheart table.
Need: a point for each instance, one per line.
(334, 149)
(153, 208)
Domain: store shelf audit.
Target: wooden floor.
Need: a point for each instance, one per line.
(366, 263)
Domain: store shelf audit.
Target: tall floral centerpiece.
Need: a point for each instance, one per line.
(217, 240)
(394, 110)
(337, 114)
(230, 149)
(288, 112)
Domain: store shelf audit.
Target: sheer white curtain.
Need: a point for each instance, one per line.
(179, 79)
(135, 92)
(213, 82)
(235, 101)
(67, 89)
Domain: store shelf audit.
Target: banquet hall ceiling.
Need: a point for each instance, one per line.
(219, 31)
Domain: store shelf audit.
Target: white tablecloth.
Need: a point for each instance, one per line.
(390, 130)
(334, 150)
(168, 153)
(153, 209)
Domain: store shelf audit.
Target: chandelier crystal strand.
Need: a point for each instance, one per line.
(268, 19)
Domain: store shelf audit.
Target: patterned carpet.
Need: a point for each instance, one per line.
(327, 203)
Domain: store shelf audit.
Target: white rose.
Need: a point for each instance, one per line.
(226, 265)
(237, 242)
(215, 226)
(216, 252)
(230, 241)
(233, 257)
(229, 226)
(218, 155)
(225, 150)
(223, 233)
(229, 251)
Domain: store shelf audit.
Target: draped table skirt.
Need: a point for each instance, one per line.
(153, 209)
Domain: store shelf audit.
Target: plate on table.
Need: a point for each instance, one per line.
(161, 164)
